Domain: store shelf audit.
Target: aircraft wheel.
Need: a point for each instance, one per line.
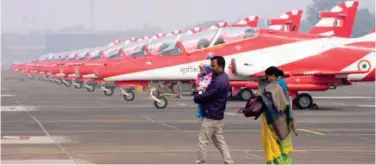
(68, 84)
(162, 104)
(110, 93)
(303, 101)
(245, 94)
(79, 86)
(90, 88)
(130, 97)
(59, 82)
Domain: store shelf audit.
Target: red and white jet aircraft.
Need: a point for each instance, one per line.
(337, 22)
(153, 47)
(260, 48)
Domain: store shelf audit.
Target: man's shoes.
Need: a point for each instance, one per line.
(231, 162)
(200, 162)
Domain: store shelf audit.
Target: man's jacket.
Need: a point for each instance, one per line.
(214, 99)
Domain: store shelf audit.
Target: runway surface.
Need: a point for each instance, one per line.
(48, 123)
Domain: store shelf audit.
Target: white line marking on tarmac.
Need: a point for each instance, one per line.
(45, 131)
(366, 139)
(368, 106)
(341, 104)
(189, 149)
(44, 161)
(350, 134)
(232, 114)
(33, 139)
(162, 123)
(181, 105)
(343, 97)
(309, 131)
(7, 95)
(17, 108)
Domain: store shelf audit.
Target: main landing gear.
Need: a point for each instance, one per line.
(244, 94)
(90, 86)
(160, 101)
(128, 94)
(108, 91)
(304, 101)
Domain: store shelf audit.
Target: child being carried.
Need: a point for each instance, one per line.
(202, 81)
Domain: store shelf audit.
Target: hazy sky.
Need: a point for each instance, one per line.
(24, 15)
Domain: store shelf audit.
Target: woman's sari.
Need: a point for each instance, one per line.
(276, 151)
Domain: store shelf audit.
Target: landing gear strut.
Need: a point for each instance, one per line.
(77, 85)
(90, 87)
(67, 83)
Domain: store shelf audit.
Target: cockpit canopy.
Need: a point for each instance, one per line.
(161, 46)
(197, 41)
(215, 37)
(95, 55)
(114, 52)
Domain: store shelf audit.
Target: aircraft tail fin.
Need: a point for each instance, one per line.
(174, 32)
(250, 21)
(195, 30)
(219, 25)
(289, 21)
(339, 21)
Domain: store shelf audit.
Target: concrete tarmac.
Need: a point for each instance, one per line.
(48, 123)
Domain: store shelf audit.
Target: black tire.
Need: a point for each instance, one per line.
(131, 97)
(315, 106)
(162, 105)
(245, 94)
(91, 88)
(303, 101)
(109, 93)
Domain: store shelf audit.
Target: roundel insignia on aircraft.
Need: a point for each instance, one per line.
(364, 65)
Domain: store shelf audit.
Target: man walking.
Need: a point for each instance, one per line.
(214, 101)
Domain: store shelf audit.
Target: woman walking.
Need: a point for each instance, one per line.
(276, 121)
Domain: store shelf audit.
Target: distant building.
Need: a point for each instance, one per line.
(21, 46)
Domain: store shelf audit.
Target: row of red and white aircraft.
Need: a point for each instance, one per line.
(319, 60)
